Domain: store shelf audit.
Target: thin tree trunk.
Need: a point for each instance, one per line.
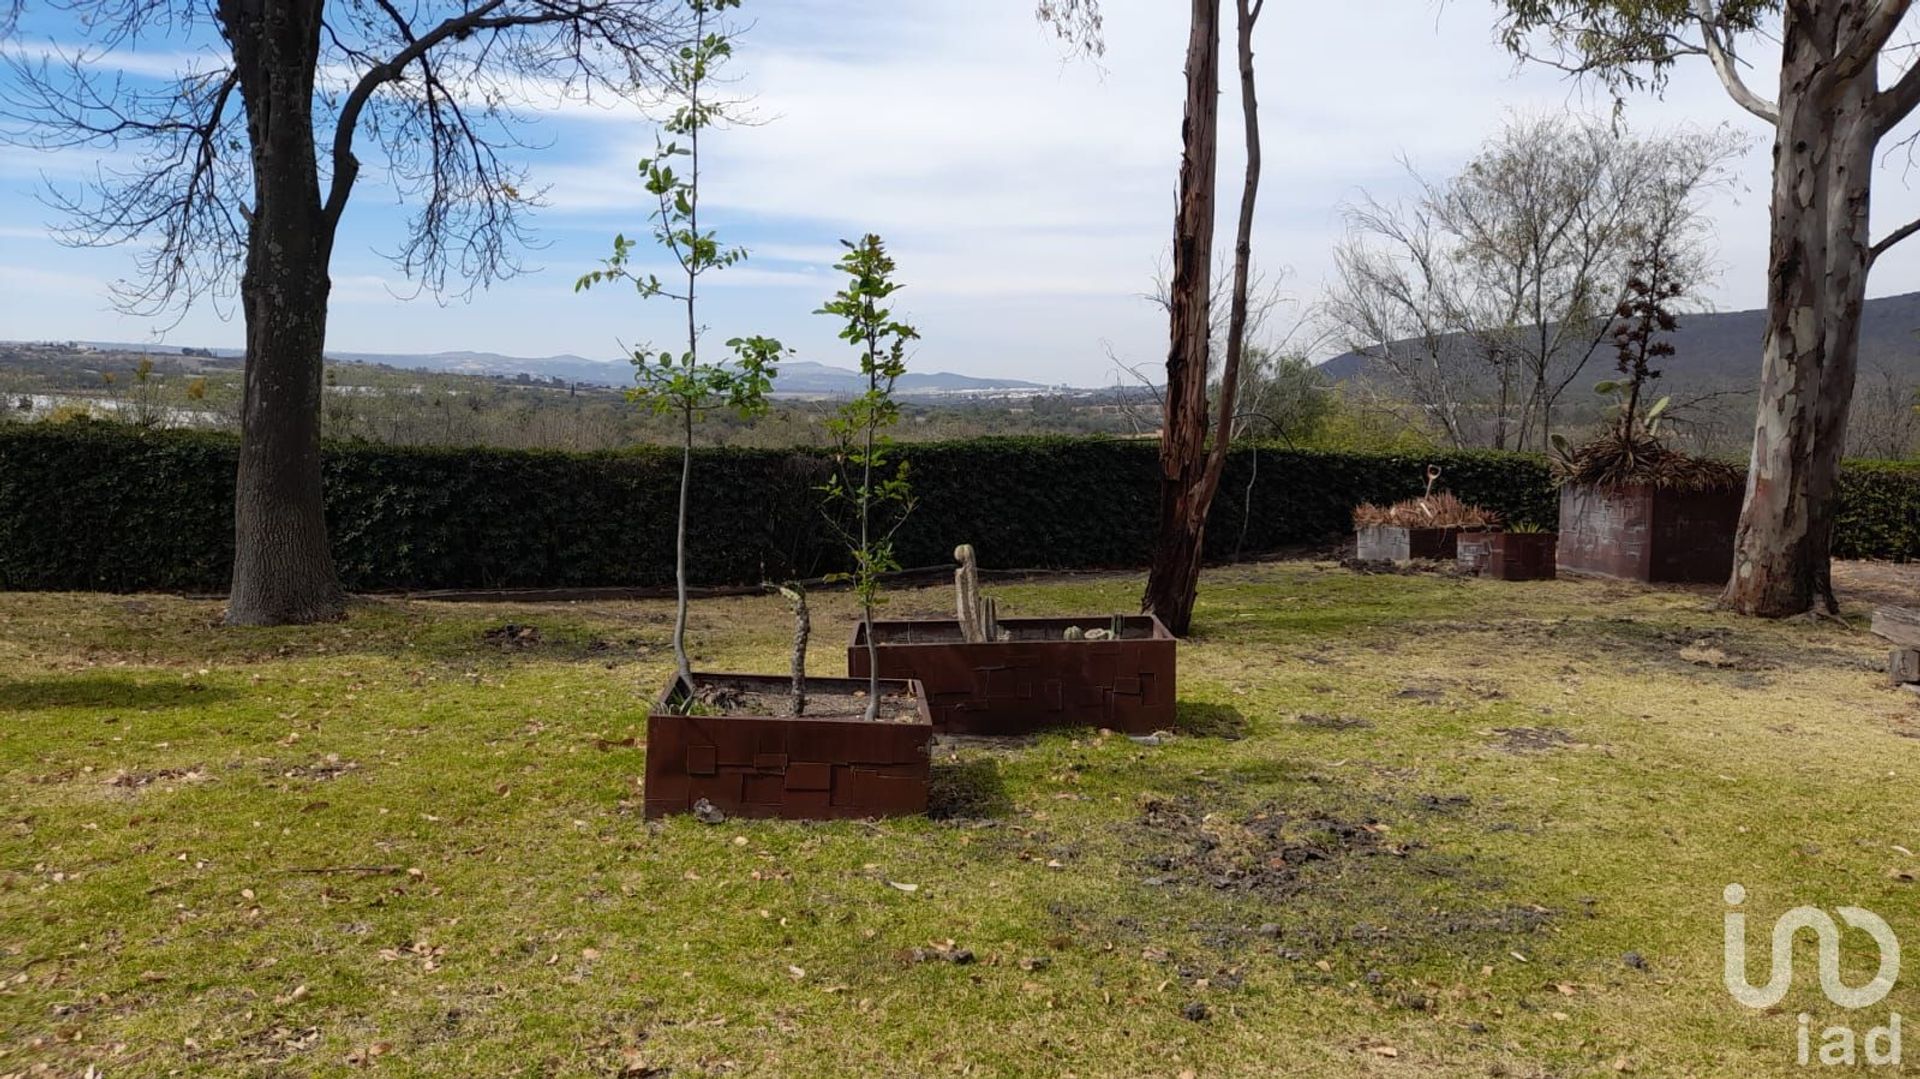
(1823, 159)
(1190, 470)
(866, 515)
(1173, 580)
(682, 666)
(283, 572)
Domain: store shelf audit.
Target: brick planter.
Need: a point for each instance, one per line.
(1520, 556)
(812, 767)
(1391, 543)
(1036, 681)
(1645, 533)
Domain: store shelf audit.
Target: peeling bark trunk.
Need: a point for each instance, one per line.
(1817, 276)
(1173, 580)
(282, 569)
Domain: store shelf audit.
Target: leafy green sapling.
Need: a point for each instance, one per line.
(680, 384)
(865, 477)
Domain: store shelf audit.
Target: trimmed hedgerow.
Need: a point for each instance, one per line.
(107, 507)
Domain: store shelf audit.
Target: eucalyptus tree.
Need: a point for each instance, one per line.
(234, 174)
(1829, 115)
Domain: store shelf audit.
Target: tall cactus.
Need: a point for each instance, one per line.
(966, 588)
(802, 628)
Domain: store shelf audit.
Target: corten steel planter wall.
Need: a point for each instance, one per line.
(1472, 550)
(808, 767)
(1038, 680)
(1520, 556)
(1645, 533)
(1391, 543)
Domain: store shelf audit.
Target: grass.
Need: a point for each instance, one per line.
(1410, 826)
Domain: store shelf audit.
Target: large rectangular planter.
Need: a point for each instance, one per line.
(1645, 533)
(808, 767)
(1521, 556)
(1035, 681)
(1391, 543)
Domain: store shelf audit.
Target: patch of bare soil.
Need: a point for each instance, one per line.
(1533, 739)
(1334, 723)
(1419, 567)
(140, 780)
(319, 771)
(1877, 584)
(731, 698)
(1265, 853)
(513, 635)
(1303, 883)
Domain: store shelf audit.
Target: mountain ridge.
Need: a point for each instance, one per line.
(1717, 349)
(797, 378)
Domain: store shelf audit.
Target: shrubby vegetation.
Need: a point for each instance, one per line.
(155, 506)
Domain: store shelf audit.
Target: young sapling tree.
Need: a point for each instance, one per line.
(865, 477)
(681, 384)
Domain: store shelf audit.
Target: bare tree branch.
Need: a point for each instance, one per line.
(441, 87)
(1719, 51)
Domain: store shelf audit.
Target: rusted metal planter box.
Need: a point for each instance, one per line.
(810, 767)
(1520, 556)
(1037, 680)
(1391, 543)
(1644, 533)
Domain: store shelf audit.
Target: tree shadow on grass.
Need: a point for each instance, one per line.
(967, 790)
(103, 691)
(1202, 720)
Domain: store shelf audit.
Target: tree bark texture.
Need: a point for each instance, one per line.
(1817, 275)
(283, 571)
(1173, 579)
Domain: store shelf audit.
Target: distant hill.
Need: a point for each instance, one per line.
(1723, 349)
(797, 378)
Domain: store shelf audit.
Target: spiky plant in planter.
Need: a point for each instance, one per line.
(1629, 451)
(1630, 507)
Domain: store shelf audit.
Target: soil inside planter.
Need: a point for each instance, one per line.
(949, 633)
(731, 697)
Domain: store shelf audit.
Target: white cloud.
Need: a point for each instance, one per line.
(1028, 200)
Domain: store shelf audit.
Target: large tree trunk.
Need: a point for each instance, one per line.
(282, 569)
(1817, 275)
(1174, 578)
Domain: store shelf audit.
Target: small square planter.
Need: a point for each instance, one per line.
(1520, 556)
(1391, 543)
(1640, 532)
(829, 766)
(1035, 681)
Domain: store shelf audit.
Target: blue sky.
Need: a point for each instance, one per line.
(1027, 196)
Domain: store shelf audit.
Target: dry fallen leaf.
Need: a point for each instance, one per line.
(903, 886)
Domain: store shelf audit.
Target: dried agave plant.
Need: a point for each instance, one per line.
(1443, 510)
(1620, 458)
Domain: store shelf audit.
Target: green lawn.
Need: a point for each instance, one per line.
(1410, 825)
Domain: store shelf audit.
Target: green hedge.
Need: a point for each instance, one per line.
(99, 506)
(1879, 514)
